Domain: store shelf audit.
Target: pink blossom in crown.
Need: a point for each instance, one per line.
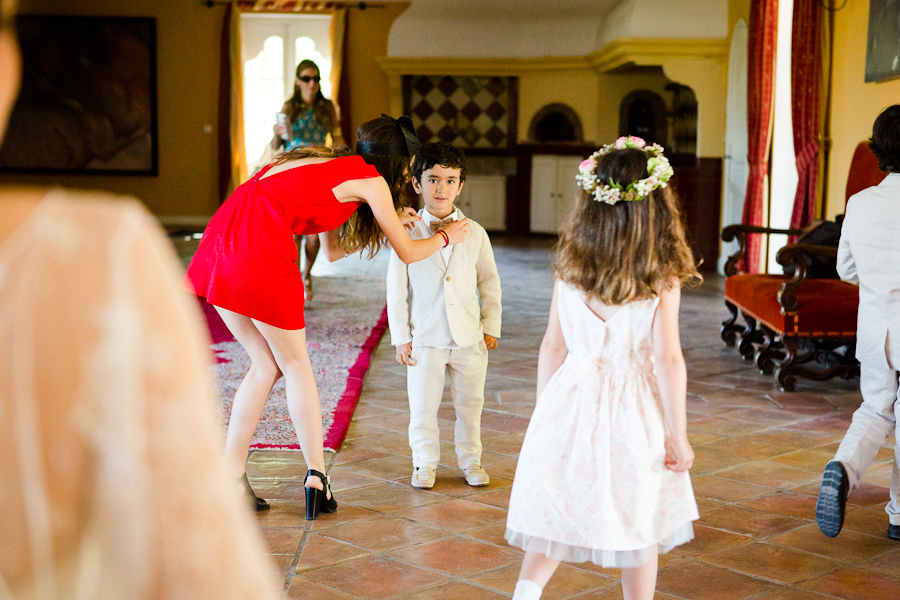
(630, 141)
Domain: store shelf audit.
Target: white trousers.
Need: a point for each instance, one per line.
(425, 386)
(873, 422)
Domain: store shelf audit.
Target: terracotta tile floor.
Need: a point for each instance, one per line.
(760, 453)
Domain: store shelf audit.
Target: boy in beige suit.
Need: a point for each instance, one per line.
(438, 323)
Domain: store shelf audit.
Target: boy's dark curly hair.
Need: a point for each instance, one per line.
(439, 153)
(885, 140)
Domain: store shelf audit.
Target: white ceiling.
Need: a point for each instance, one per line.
(535, 28)
(510, 9)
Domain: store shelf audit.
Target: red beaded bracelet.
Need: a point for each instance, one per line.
(446, 237)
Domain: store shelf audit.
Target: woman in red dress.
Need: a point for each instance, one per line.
(246, 266)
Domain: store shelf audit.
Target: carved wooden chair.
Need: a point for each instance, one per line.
(795, 325)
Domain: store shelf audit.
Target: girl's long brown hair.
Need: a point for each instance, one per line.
(323, 108)
(361, 231)
(629, 250)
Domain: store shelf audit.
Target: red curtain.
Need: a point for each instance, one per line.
(761, 75)
(806, 63)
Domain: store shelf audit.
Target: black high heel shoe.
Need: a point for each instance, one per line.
(317, 500)
(256, 503)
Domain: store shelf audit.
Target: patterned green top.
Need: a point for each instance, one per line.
(307, 131)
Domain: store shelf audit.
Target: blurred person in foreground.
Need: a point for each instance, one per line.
(113, 483)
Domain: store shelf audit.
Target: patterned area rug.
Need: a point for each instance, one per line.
(344, 323)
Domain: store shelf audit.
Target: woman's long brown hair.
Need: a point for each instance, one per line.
(361, 231)
(323, 108)
(629, 250)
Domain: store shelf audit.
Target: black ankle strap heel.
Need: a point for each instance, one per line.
(317, 500)
(256, 503)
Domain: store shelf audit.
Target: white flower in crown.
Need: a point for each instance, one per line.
(605, 193)
(659, 172)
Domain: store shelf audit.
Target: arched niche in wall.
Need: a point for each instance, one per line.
(555, 122)
(643, 113)
(684, 119)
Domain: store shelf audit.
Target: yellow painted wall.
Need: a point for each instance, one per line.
(737, 10)
(595, 97)
(188, 46)
(709, 80)
(855, 102)
(576, 88)
(367, 36)
(613, 87)
(187, 40)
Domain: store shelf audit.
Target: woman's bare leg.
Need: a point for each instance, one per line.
(639, 583)
(289, 349)
(311, 250)
(250, 397)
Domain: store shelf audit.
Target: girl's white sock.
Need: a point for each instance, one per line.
(527, 590)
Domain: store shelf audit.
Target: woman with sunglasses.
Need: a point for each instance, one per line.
(310, 119)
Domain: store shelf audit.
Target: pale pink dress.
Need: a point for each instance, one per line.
(590, 483)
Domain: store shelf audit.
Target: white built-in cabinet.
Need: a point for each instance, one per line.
(483, 199)
(553, 190)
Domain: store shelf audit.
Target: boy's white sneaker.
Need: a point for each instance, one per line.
(476, 476)
(422, 478)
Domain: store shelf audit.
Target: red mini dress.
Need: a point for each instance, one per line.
(247, 259)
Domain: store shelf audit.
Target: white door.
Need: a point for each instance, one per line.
(736, 168)
(567, 189)
(543, 194)
(483, 199)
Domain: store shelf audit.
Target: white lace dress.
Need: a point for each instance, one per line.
(590, 483)
(111, 483)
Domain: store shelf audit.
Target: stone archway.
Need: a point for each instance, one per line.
(555, 122)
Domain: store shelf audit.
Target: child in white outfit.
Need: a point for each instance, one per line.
(603, 471)
(869, 253)
(438, 323)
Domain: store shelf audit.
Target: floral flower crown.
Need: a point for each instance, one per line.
(657, 166)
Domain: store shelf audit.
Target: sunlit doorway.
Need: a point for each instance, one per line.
(271, 47)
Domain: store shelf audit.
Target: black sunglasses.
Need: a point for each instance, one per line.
(308, 78)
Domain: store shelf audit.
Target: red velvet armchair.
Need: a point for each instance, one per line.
(796, 326)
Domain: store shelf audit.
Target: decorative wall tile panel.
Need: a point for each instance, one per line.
(470, 112)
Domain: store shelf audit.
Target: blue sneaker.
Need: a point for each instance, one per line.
(894, 532)
(832, 499)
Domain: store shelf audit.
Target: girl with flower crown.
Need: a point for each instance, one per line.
(603, 471)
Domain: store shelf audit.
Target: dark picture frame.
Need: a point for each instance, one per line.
(88, 99)
(883, 42)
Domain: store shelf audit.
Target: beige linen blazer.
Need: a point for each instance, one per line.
(869, 253)
(424, 297)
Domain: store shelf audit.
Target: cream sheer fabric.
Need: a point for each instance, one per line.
(608, 559)
(111, 483)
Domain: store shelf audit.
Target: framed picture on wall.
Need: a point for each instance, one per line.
(883, 46)
(88, 98)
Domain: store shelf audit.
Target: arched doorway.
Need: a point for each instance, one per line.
(642, 113)
(555, 123)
